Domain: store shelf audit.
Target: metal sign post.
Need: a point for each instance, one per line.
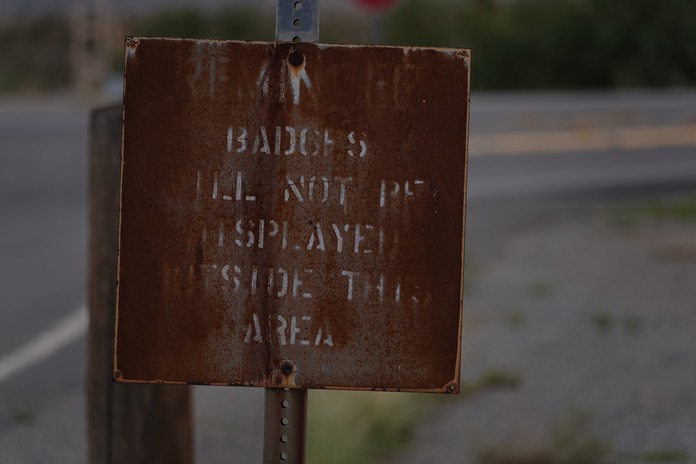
(285, 409)
(285, 424)
(297, 21)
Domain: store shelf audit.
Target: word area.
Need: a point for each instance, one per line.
(287, 330)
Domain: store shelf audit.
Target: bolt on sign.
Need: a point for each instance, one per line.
(292, 214)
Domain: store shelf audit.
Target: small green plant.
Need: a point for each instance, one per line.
(570, 444)
(360, 426)
(490, 380)
(472, 271)
(540, 289)
(663, 456)
(515, 319)
(496, 456)
(603, 321)
(500, 379)
(656, 210)
(633, 324)
(22, 414)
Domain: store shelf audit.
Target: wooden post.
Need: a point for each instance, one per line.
(128, 423)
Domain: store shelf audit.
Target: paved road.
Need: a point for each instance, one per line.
(43, 242)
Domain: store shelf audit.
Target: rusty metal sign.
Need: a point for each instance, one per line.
(292, 214)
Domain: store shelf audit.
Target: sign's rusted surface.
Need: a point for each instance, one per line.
(292, 214)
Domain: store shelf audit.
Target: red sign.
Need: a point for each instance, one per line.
(376, 5)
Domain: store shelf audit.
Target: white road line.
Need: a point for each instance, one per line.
(45, 344)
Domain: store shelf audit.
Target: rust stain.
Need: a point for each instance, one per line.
(292, 215)
(131, 46)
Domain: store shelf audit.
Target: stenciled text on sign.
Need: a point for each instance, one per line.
(292, 203)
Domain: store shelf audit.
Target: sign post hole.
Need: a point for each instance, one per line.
(292, 217)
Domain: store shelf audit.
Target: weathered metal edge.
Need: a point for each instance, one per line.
(457, 380)
(464, 53)
(116, 372)
(447, 388)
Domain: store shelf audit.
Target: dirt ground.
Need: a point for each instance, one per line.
(580, 321)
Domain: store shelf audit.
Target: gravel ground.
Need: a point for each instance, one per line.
(582, 326)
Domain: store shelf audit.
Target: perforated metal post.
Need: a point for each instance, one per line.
(285, 409)
(297, 21)
(285, 422)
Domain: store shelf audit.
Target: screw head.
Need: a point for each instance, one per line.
(287, 368)
(296, 58)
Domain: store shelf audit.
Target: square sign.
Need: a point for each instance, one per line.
(292, 214)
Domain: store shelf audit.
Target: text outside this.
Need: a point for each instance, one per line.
(292, 202)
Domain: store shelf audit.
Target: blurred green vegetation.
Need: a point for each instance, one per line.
(34, 55)
(656, 210)
(517, 44)
(241, 23)
(560, 44)
(361, 427)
